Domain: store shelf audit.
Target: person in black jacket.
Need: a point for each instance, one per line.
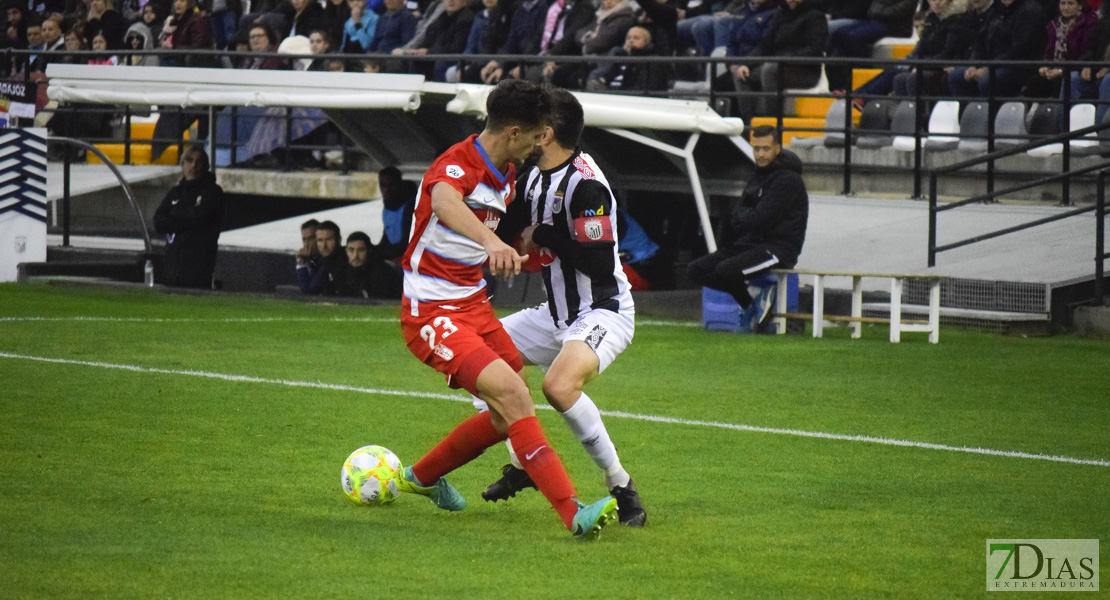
(767, 228)
(1013, 30)
(800, 29)
(884, 18)
(191, 216)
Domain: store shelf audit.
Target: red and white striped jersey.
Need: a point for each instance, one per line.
(439, 263)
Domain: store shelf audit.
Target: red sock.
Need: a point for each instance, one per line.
(466, 442)
(543, 466)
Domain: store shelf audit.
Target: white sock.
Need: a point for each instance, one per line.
(585, 421)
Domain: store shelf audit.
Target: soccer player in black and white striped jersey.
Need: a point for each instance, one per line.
(567, 216)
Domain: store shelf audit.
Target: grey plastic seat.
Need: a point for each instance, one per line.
(1104, 136)
(834, 122)
(1083, 116)
(904, 125)
(874, 125)
(1010, 121)
(973, 127)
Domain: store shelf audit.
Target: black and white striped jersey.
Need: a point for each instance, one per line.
(577, 232)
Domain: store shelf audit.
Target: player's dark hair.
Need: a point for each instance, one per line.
(357, 236)
(330, 226)
(566, 117)
(390, 172)
(518, 102)
(310, 223)
(767, 130)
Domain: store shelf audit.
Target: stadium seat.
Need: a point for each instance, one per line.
(973, 127)
(874, 125)
(944, 126)
(1082, 116)
(1010, 121)
(834, 122)
(1043, 120)
(904, 126)
(1104, 136)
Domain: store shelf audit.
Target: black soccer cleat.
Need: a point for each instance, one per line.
(629, 507)
(512, 481)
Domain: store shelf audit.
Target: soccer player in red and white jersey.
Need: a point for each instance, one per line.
(446, 318)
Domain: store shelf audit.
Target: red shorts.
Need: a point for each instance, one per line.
(460, 341)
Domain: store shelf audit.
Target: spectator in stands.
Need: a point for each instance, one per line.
(525, 31)
(661, 18)
(446, 34)
(631, 77)
(895, 79)
(487, 34)
(948, 32)
(398, 202)
(53, 41)
(263, 39)
(139, 38)
(35, 42)
(75, 42)
(800, 29)
(1093, 83)
(336, 15)
(308, 16)
(187, 29)
(224, 17)
(15, 37)
(1013, 30)
(564, 18)
(885, 18)
(845, 12)
(327, 271)
(738, 28)
(100, 44)
(318, 43)
(152, 18)
(766, 230)
(358, 31)
(191, 216)
(366, 275)
(608, 30)
(104, 18)
(307, 253)
(395, 28)
(1069, 35)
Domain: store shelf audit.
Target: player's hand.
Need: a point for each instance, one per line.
(515, 73)
(527, 244)
(503, 259)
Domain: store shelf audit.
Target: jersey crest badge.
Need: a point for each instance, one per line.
(455, 171)
(594, 229)
(557, 202)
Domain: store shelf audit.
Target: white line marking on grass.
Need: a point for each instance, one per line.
(608, 413)
(202, 320)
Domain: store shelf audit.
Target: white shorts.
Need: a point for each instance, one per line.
(537, 338)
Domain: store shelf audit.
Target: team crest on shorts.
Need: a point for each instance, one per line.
(596, 335)
(445, 353)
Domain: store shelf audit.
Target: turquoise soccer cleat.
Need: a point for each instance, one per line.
(590, 518)
(442, 494)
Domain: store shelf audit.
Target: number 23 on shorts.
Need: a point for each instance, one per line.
(428, 332)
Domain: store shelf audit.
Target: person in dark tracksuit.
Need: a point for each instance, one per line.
(191, 216)
(767, 228)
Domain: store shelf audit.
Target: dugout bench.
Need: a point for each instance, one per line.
(855, 320)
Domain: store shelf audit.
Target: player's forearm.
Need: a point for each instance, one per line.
(455, 214)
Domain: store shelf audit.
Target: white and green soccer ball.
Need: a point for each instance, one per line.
(369, 476)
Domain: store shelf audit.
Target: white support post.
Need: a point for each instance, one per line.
(687, 154)
(934, 311)
(780, 303)
(818, 305)
(857, 305)
(895, 309)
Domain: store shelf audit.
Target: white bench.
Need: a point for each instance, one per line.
(820, 320)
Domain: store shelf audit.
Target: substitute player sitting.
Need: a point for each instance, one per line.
(446, 318)
(589, 317)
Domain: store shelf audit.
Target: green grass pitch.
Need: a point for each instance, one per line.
(171, 446)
